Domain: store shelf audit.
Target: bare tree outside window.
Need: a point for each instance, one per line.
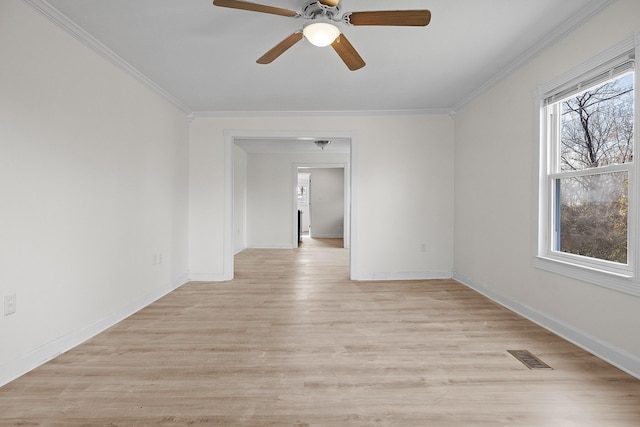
(596, 129)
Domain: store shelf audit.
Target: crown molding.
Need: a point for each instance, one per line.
(59, 19)
(577, 20)
(438, 111)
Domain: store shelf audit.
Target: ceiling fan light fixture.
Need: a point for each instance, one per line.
(321, 34)
(322, 143)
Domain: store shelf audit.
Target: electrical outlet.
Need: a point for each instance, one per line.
(9, 304)
(423, 247)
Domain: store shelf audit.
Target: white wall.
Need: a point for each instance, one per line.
(495, 201)
(93, 191)
(403, 166)
(327, 203)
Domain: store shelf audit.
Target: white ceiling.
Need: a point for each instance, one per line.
(203, 57)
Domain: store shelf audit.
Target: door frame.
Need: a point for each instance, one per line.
(230, 135)
(345, 202)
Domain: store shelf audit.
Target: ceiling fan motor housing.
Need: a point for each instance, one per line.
(314, 9)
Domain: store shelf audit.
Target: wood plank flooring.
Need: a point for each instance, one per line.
(292, 342)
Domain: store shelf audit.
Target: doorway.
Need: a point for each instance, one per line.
(234, 220)
(322, 201)
(303, 203)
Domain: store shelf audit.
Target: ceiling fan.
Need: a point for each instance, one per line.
(321, 31)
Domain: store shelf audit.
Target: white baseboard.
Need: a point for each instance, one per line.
(17, 368)
(207, 277)
(618, 357)
(403, 275)
(258, 246)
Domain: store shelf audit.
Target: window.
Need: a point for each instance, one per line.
(587, 212)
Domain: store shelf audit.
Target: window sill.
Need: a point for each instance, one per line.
(616, 281)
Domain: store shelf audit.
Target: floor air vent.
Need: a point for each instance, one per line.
(529, 360)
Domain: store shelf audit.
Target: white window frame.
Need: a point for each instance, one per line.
(621, 277)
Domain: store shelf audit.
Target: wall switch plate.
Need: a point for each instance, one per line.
(9, 304)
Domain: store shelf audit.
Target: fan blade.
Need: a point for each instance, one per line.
(347, 52)
(254, 7)
(280, 48)
(410, 18)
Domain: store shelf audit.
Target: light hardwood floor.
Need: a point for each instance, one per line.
(292, 342)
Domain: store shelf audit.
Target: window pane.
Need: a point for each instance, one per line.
(592, 216)
(597, 126)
